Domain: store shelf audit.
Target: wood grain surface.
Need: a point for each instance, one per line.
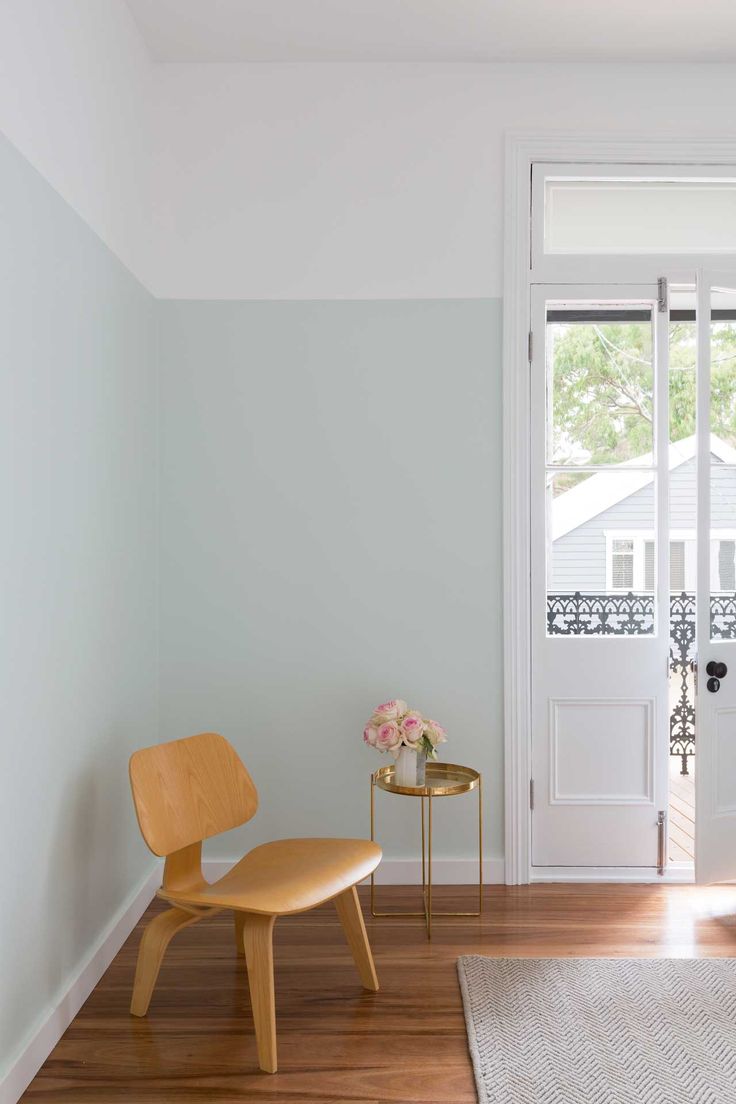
(337, 1042)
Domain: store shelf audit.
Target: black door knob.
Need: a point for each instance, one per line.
(718, 670)
(714, 685)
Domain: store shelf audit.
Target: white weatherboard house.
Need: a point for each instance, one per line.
(602, 530)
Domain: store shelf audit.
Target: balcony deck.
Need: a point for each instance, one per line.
(682, 812)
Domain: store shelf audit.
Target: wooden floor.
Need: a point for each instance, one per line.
(337, 1043)
(682, 811)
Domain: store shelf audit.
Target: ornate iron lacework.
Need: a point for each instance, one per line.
(600, 614)
(633, 615)
(682, 679)
(723, 616)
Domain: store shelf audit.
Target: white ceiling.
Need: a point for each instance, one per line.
(438, 30)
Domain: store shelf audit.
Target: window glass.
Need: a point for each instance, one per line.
(612, 216)
(723, 367)
(677, 566)
(722, 462)
(649, 565)
(599, 386)
(622, 565)
(726, 567)
(595, 575)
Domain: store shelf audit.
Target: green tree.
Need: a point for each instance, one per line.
(601, 388)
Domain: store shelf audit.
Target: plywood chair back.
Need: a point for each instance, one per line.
(185, 792)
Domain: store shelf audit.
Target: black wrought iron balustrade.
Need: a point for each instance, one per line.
(632, 614)
(682, 653)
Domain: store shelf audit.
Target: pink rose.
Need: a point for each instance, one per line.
(390, 710)
(412, 728)
(387, 736)
(436, 733)
(370, 735)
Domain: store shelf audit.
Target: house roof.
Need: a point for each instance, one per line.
(601, 491)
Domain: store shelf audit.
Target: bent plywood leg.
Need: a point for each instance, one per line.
(156, 939)
(239, 919)
(258, 944)
(351, 918)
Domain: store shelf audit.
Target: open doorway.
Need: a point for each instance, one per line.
(614, 566)
(595, 693)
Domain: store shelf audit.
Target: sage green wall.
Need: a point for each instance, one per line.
(331, 537)
(78, 583)
(329, 518)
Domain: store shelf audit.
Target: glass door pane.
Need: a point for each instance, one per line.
(715, 855)
(601, 474)
(722, 463)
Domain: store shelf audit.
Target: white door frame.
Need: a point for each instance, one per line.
(523, 149)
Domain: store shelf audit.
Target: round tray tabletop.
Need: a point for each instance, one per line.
(441, 780)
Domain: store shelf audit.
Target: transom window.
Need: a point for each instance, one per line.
(628, 210)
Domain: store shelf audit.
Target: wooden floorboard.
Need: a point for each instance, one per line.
(338, 1044)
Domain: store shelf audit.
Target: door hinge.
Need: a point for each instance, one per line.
(531, 345)
(662, 294)
(531, 794)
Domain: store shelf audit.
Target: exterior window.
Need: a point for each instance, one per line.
(622, 565)
(726, 566)
(649, 565)
(630, 562)
(677, 566)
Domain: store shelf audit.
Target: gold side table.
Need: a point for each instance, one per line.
(441, 780)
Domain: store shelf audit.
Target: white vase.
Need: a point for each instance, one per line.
(406, 767)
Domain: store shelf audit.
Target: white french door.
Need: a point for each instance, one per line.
(600, 638)
(715, 823)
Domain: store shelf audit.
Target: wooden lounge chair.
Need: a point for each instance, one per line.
(189, 790)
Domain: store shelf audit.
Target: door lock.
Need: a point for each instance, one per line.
(714, 685)
(716, 669)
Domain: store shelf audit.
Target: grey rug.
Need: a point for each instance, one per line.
(601, 1030)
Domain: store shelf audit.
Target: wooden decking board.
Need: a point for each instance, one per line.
(680, 808)
(681, 819)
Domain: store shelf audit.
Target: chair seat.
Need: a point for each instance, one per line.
(287, 876)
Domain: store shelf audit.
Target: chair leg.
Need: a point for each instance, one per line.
(351, 918)
(156, 938)
(239, 920)
(258, 944)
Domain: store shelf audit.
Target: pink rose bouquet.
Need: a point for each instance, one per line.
(394, 725)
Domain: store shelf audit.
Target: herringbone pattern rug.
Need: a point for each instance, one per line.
(601, 1030)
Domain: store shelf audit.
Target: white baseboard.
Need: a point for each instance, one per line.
(406, 871)
(675, 874)
(54, 1023)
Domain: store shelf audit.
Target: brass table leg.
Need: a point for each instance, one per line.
(373, 881)
(427, 913)
(429, 874)
(480, 844)
(424, 876)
